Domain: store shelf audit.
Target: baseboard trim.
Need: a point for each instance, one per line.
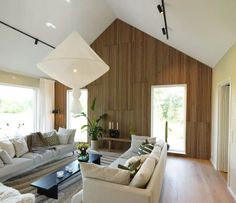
(232, 193)
(213, 164)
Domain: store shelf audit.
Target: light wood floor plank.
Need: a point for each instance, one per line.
(193, 181)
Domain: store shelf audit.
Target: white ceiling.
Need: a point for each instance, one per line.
(19, 54)
(203, 29)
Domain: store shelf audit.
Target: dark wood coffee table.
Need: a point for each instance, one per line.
(48, 185)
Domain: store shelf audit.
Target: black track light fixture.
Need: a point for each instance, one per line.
(160, 9)
(163, 31)
(36, 40)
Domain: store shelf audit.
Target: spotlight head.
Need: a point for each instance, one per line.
(160, 9)
(163, 31)
(36, 41)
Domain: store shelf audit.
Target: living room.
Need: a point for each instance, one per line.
(117, 101)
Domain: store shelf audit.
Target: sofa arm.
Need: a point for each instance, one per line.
(96, 191)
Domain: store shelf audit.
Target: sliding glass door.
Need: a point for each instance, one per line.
(169, 115)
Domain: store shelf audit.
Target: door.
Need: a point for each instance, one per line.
(169, 115)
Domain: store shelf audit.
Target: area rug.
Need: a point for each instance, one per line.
(66, 190)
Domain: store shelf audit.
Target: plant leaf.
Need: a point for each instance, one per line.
(93, 106)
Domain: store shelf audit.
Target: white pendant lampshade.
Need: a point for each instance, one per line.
(74, 64)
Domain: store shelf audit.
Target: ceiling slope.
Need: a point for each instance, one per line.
(203, 29)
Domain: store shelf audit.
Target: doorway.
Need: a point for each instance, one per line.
(169, 115)
(224, 129)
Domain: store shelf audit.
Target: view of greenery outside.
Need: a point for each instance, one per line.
(16, 111)
(77, 122)
(169, 105)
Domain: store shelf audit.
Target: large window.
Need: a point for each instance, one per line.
(77, 122)
(17, 110)
(169, 115)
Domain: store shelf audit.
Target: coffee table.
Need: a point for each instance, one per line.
(48, 185)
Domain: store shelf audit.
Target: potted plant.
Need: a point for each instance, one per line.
(82, 147)
(93, 127)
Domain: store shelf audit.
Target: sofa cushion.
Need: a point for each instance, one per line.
(156, 153)
(64, 149)
(144, 174)
(63, 136)
(18, 164)
(105, 173)
(20, 146)
(136, 141)
(8, 147)
(5, 157)
(33, 156)
(118, 161)
(160, 143)
(71, 133)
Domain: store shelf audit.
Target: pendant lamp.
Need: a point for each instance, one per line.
(74, 64)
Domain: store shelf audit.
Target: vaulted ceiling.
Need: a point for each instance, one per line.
(203, 29)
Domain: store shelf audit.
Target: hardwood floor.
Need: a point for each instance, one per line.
(193, 181)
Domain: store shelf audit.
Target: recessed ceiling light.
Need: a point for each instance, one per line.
(68, 1)
(48, 24)
(75, 70)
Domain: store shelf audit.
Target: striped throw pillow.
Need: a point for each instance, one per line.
(145, 148)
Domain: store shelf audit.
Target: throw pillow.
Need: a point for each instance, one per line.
(52, 140)
(20, 145)
(8, 147)
(136, 141)
(1, 163)
(145, 148)
(71, 133)
(5, 157)
(134, 159)
(132, 167)
(105, 173)
(144, 174)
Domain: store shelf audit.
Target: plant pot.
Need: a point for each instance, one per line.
(94, 144)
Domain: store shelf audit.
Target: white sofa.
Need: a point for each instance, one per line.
(10, 195)
(97, 191)
(31, 160)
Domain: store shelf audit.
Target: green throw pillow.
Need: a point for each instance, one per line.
(145, 148)
(52, 140)
(132, 168)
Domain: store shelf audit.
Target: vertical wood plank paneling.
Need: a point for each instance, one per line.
(138, 61)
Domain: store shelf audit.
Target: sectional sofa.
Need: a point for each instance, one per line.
(99, 191)
(32, 160)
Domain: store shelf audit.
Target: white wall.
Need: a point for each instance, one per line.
(225, 70)
(16, 79)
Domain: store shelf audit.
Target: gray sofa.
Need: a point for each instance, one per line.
(31, 160)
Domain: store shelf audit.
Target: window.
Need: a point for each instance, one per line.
(77, 122)
(17, 110)
(169, 115)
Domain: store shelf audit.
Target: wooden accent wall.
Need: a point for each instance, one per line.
(137, 61)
